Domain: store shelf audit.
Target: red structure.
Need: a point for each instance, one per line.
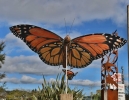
(109, 84)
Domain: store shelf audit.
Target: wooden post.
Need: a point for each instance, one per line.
(105, 95)
(66, 96)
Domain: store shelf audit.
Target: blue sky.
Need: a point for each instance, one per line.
(23, 67)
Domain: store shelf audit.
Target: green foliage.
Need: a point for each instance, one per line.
(2, 75)
(18, 95)
(96, 97)
(34, 97)
(52, 90)
(2, 56)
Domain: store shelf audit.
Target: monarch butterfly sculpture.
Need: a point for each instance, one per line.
(70, 74)
(52, 48)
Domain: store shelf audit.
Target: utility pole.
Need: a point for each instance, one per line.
(128, 40)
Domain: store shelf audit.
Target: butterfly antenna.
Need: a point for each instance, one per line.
(71, 26)
(75, 73)
(65, 25)
(115, 32)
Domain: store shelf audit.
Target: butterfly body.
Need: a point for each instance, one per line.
(81, 51)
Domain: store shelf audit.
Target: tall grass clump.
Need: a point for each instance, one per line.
(52, 90)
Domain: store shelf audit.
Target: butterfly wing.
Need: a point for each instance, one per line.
(82, 51)
(46, 43)
(85, 49)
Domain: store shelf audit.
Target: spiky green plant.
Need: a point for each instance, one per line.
(52, 90)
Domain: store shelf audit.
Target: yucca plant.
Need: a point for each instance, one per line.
(52, 90)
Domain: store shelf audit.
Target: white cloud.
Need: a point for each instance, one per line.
(31, 80)
(54, 12)
(12, 42)
(25, 79)
(28, 79)
(85, 83)
(11, 80)
(34, 65)
(28, 64)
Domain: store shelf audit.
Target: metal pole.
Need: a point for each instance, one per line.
(105, 87)
(128, 41)
(66, 69)
(122, 74)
